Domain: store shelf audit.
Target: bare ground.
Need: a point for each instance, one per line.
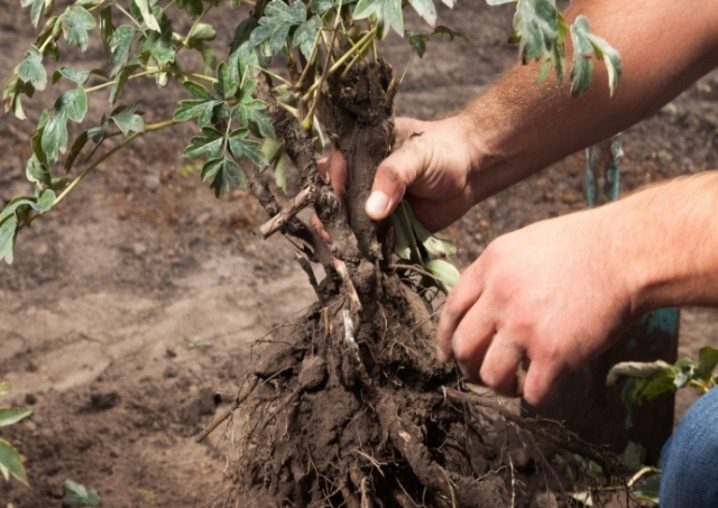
(127, 317)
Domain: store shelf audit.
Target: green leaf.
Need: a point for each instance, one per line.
(444, 271)
(120, 80)
(76, 21)
(388, 11)
(74, 103)
(582, 65)
(75, 150)
(707, 361)
(242, 147)
(683, 371)
(611, 59)
(89, 3)
(197, 90)
(224, 173)
(78, 495)
(201, 109)
(433, 245)
(500, 2)
(192, 7)
(206, 145)
(306, 34)
(425, 9)
(147, 16)
(12, 415)
(244, 61)
(77, 76)
(650, 388)
(274, 26)
(127, 120)
(120, 44)
(227, 81)
(202, 32)
(31, 69)
(159, 44)
(242, 33)
(536, 23)
(647, 489)
(417, 41)
(8, 230)
(107, 27)
(321, 7)
(45, 201)
(36, 172)
(54, 136)
(253, 113)
(11, 462)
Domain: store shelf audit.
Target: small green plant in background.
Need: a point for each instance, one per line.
(12, 463)
(79, 496)
(643, 382)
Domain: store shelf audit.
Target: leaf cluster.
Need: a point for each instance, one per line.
(12, 464)
(292, 46)
(644, 381)
(541, 31)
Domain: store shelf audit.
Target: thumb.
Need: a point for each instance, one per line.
(393, 176)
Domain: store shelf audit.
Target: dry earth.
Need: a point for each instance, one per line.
(128, 315)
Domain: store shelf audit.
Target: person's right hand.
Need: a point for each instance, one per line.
(432, 165)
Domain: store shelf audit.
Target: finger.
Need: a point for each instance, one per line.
(500, 365)
(392, 177)
(540, 378)
(464, 295)
(338, 172)
(472, 337)
(320, 229)
(334, 168)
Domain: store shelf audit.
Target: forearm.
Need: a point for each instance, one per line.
(666, 239)
(519, 127)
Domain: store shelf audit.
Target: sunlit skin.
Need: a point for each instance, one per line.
(544, 295)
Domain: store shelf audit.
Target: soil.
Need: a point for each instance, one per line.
(128, 317)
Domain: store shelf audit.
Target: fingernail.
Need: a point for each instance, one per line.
(377, 205)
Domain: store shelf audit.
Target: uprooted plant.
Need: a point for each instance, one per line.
(350, 408)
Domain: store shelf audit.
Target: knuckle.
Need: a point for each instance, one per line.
(463, 348)
(455, 304)
(388, 172)
(489, 376)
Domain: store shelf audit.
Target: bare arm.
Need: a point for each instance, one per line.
(518, 127)
(546, 293)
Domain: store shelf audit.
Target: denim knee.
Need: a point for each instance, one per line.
(689, 459)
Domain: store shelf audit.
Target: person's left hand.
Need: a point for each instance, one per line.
(554, 293)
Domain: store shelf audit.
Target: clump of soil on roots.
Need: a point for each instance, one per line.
(372, 419)
(350, 407)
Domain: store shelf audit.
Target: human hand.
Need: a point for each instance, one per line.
(431, 164)
(554, 293)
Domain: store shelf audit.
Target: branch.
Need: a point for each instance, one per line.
(148, 128)
(300, 201)
(244, 392)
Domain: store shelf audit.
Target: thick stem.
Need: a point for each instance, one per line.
(359, 113)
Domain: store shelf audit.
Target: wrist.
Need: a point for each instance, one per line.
(486, 174)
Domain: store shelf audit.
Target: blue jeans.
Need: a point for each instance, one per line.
(690, 458)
